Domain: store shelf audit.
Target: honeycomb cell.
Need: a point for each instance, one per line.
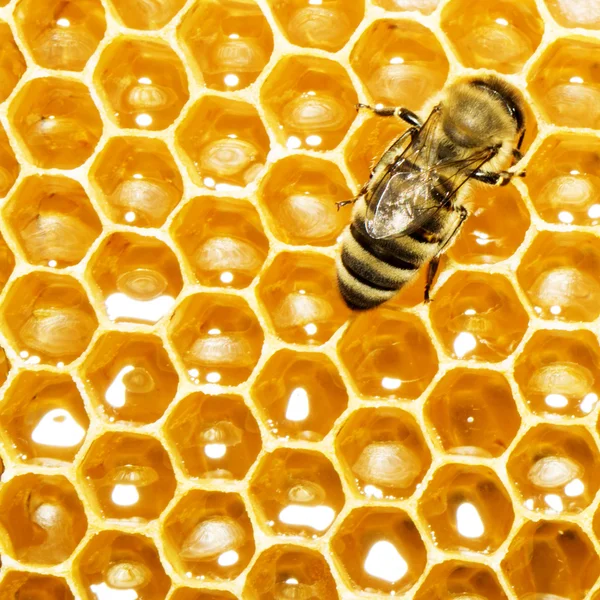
(383, 453)
(143, 82)
(326, 25)
(300, 195)
(53, 220)
(297, 493)
(316, 110)
(43, 518)
(216, 437)
(562, 179)
(61, 34)
(478, 316)
(138, 181)
(553, 560)
(12, 63)
(130, 377)
(500, 37)
(230, 42)
(461, 506)
(146, 14)
(424, 6)
(4, 369)
(57, 121)
(7, 262)
(25, 585)
(49, 318)
(299, 294)
(138, 277)
(472, 413)
(380, 550)
(287, 571)
(222, 239)
(129, 476)
(461, 580)
(400, 62)
(208, 535)
(555, 469)
(9, 166)
(575, 13)
(300, 395)
(224, 142)
(120, 565)
(44, 415)
(195, 594)
(565, 83)
(560, 274)
(374, 350)
(218, 338)
(559, 373)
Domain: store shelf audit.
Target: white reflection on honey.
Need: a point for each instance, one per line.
(317, 517)
(464, 343)
(385, 562)
(125, 494)
(59, 429)
(298, 407)
(121, 306)
(105, 592)
(116, 394)
(468, 521)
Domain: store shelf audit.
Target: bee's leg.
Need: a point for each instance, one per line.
(389, 111)
(432, 268)
(346, 202)
(501, 178)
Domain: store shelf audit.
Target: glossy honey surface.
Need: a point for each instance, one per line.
(188, 410)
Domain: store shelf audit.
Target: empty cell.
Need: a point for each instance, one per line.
(23, 584)
(12, 62)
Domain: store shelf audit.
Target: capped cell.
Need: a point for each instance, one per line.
(383, 453)
(9, 166)
(215, 437)
(222, 239)
(53, 220)
(138, 181)
(12, 62)
(299, 395)
(314, 112)
(25, 584)
(146, 14)
(230, 42)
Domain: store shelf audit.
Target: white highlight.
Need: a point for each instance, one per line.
(574, 488)
(298, 407)
(59, 429)
(231, 80)
(144, 120)
(391, 383)
(556, 401)
(121, 306)
(468, 521)
(385, 562)
(317, 517)
(215, 450)
(228, 558)
(125, 494)
(464, 343)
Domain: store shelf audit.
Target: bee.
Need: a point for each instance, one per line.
(413, 205)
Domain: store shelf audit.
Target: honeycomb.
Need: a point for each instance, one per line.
(188, 410)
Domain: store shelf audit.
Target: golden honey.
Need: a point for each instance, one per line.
(188, 410)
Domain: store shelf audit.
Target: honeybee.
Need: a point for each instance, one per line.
(413, 205)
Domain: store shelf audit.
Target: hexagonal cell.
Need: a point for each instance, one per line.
(218, 338)
(299, 193)
(400, 62)
(555, 469)
(7, 262)
(559, 373)
(562, 180)
(299, 294)
(317, 111)
(383, 452)
(424, 6)
(462, 581)
(230, 42)
(195, 594)
(565, 83)
(222, 239)
(116, 562)
(61, 35)
(4, 366)
(9, 166)
(287, 571)
(138, 277)
(44, 415)
(224, 142)
(574, 13)
(326, 25)
(389, 354)
(49, 318)
(380, 550)
(129, 476)
(53, 220)
(143, 82)
(216, 437)
(551, 560)
(130, 377)
(473, 413)
(297, 493)
(12, 63)
(43, 518)
(300, 395)
(478, 316)
(208, 535)
(461, 506)
(138, 181)
(21, 584)
(501, 37)
(495, 228)
(560, 273)
(57, 121)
